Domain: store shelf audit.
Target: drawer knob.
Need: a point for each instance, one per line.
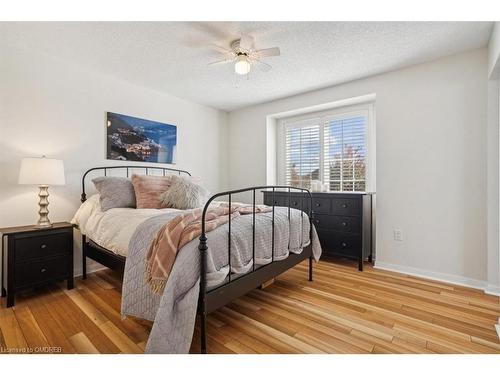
(344, 224)
(344, 244)
(318, 204)
(275, 202)
(344, 205)
(317, 221)
(43, 246)
(43, 270)
(295, 203)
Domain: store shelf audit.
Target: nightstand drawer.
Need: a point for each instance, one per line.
(39, 271)
(42, 246)
(349, 224)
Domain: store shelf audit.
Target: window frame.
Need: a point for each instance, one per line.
(339, 113)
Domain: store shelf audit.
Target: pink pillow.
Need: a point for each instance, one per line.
(149, 188)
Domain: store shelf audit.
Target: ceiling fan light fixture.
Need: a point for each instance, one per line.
(242, 65)
(243, 55)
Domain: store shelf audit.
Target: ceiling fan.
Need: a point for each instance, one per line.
(243, 54)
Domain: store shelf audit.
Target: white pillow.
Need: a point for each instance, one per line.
(184, 194)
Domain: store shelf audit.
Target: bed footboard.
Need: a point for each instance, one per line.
(210, 300)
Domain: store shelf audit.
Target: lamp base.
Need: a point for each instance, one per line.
(49, 225)
(43, 221)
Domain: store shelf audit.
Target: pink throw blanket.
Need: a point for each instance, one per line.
(181, 230)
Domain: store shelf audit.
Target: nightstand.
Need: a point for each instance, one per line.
(33, 256)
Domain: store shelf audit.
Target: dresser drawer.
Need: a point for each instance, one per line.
(279, 200)
(340, 243)
(346, 207)
(300, 202)
(39, 271)
(321, 205)
(297, 201)
(338, 223)
(42, 246)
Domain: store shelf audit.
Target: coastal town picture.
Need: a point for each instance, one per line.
(134, 139)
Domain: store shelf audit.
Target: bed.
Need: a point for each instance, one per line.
(208, 273)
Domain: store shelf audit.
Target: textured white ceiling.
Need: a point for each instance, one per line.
(172, 56)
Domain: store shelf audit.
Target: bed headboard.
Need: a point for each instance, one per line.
(127, 168)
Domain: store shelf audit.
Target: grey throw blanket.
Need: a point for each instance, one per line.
(174, 312)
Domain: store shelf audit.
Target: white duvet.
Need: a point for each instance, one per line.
(113, 228)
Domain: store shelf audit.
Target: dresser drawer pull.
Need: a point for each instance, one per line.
(344, 205)
(318, 204)
(344, 224)
(317, 221)
(43, 246)
(344, 244)
(43, 270)
(275, 202)
(295, 203)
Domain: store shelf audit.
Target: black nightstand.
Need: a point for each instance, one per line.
(34, 256)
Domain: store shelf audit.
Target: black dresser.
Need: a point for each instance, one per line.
(343, 220)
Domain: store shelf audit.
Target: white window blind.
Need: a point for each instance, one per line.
(302, 143)
(331, 148)
(345, 153)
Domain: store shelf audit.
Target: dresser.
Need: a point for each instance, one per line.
(33, 256)
(343, 220)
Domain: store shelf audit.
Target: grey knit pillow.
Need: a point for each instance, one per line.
(184, 194)
(115, 192)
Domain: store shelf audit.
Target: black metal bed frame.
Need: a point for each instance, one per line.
(211, 299)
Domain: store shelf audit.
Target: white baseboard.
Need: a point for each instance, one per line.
(90, 269)
(443, 277)
(493, 289)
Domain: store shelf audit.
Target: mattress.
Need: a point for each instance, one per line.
(113, 228)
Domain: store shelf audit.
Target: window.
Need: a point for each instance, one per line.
(330, 147)
(302, 154)
(345, 153)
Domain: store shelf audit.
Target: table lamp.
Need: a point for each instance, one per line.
(42, 172)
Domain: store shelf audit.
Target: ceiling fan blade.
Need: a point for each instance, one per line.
(268, 52)
(246, 42)
(220, 49)
(262, 65)
(225, 61)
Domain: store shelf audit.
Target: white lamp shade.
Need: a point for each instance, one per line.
(41, 171)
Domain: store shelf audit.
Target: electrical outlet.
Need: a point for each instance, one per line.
(398, 235)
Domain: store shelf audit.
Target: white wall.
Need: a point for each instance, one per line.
(431, 161)
(493, 187)
(494, 52)
(493, 164)
(57, 109)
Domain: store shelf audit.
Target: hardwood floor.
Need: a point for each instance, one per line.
(342, 311)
